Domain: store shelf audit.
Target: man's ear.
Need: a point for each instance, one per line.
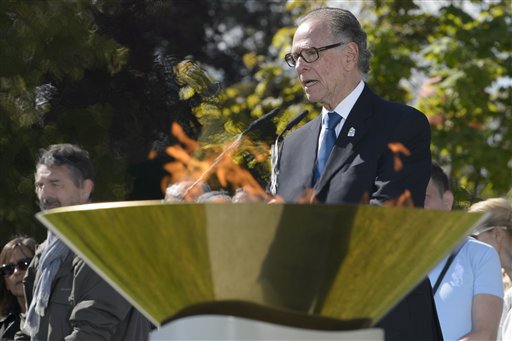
(448, 200)
(87, 188)
(351, 56)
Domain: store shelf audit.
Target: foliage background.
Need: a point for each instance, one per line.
(113, 76)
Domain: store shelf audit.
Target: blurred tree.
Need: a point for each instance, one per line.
(237, 28)
(469, 98)
(33, 34)
(397, 31)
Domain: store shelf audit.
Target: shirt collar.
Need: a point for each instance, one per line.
(345, 106)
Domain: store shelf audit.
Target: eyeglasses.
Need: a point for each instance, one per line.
(8, 269)
(309, 55)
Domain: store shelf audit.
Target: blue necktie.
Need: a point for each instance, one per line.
(327, 143)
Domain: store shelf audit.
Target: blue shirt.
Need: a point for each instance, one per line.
(475, 270)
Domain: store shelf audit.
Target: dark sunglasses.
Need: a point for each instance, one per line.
(8, 269)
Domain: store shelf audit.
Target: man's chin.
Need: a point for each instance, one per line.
(311, 98)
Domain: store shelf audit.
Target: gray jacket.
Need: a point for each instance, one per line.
(83, 306)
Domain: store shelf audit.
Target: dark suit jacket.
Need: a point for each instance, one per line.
(363, 169)
(361, 166)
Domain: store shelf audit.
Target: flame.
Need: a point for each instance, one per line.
(404, 200)
(186, 168)
(179, 133)
(228, 172)
(398, 148)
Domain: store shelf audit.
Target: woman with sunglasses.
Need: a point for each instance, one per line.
(14, 259)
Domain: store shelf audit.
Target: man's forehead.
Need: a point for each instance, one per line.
(44, 171)
(311, 33)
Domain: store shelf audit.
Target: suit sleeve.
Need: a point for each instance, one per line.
(404, 169)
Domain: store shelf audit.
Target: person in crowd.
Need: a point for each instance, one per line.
(496, 230)
(243, 196)
(14, 259)
(361, 148)
(185, 191)
(214, 196)
(65, 298)
(467, 284)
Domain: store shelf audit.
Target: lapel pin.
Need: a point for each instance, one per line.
(351, 132)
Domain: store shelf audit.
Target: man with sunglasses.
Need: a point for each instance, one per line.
(360, 149)
(65, 298)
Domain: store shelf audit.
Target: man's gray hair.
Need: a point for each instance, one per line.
(344, 24)
(74, 157)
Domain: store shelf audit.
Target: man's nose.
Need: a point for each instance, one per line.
(300, 64)
(45, 191)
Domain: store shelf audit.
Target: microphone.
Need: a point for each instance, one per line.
(276, 151)
(261, 120)
(293, 123)
(233, 145)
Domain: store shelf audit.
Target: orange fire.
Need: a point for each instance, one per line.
(397, 149)
(405, 200)
(186, 167)
(190, 144)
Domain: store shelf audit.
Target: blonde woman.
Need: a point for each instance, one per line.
(496, 231)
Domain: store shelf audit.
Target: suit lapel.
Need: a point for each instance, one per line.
(354, 129)
(309, 147)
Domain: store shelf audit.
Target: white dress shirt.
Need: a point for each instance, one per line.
(343, 109)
